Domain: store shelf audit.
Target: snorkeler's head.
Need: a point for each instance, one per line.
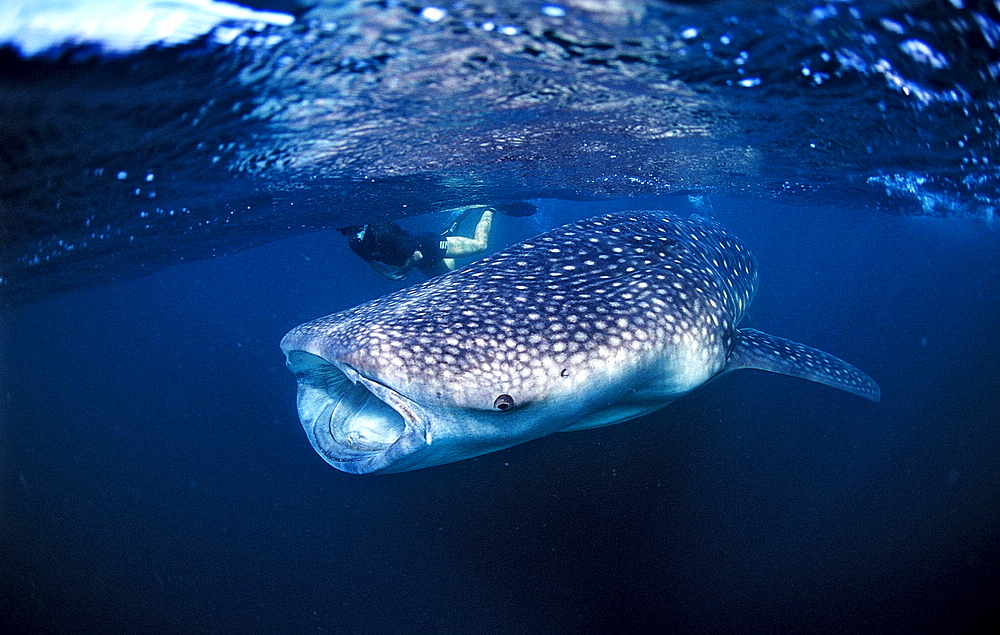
(354, 231)
(385, 242)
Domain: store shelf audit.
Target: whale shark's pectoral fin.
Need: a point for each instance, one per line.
(754, 349)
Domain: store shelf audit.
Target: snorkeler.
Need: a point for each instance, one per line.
(392, 250)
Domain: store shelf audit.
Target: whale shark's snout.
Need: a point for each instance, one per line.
(356, 423)
(587, 325)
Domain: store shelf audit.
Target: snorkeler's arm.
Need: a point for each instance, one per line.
(396, 273)
(392, 273)
(411, 262)
(459, 246)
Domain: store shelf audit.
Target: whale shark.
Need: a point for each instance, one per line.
(590, 324)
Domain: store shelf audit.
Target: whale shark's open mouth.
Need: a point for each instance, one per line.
(356, 423)
(360, 420)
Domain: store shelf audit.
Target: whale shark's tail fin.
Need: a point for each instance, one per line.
(754, 349)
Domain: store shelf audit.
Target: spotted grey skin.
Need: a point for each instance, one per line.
(590, 324)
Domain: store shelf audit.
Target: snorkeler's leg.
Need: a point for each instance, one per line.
(482, 235)
(459, 246)
(457, 216)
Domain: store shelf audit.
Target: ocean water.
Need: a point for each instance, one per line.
(168, 213)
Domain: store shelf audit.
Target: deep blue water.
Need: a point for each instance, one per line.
(155, 477)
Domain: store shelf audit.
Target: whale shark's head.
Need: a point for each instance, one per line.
(394, 403)
(589, 324)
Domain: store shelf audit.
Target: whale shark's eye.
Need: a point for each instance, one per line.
(503, 403)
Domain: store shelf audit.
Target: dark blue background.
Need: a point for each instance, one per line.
(154, 476)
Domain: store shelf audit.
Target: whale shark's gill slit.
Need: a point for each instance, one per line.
(344, 416)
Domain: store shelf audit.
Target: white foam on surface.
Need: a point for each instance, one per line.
(119, 26)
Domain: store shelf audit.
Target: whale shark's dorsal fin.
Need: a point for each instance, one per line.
(753, 349)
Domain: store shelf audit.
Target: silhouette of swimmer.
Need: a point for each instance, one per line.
(393, 251)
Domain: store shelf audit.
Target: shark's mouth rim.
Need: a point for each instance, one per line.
(356, 423)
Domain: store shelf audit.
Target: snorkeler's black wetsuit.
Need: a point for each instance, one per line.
(385, 242)
(433, 248)
(390, 244)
